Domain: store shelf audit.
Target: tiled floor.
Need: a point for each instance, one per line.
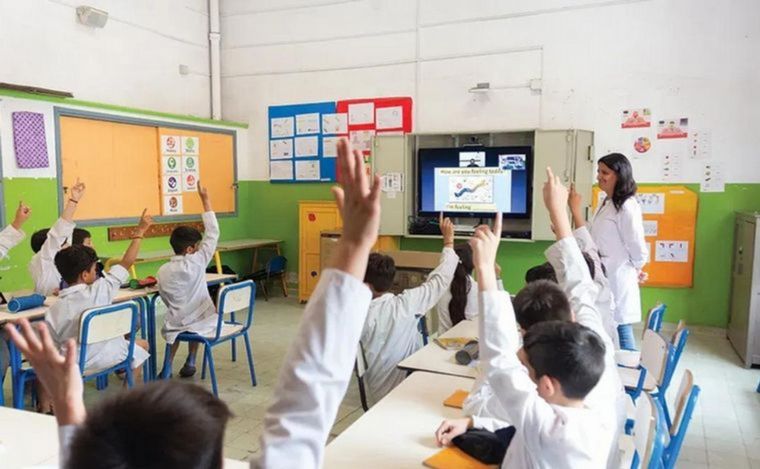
(725, 432)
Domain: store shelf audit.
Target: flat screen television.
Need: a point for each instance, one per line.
(474, 181)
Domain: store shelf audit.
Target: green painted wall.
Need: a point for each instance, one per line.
(40, 195)
(275, 211)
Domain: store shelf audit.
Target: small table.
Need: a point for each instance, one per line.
(222, 246)
(30, 439)
(399, 431)
(436, 359)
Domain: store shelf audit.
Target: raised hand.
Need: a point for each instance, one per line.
(77, 191)
(447, 230)
(556, 199)
(574, 200)
(23, 212)
(485, 244)
(359, 206)
(145, 222)
(59, 375)
(205, 199)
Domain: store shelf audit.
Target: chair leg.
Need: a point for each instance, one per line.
(166, 371)
(284, 285)
(264, 290)
(205, 361)
(211, 370)
(234, 350)
(129, 376)
(250, 357)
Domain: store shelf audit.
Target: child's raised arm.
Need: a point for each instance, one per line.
(134, 247)
(76, 194)
(23, 212)
(317, 369)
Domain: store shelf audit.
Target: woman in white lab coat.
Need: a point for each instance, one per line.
(618, 230)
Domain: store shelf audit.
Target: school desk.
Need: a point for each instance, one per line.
(30, 439)
(436, 359)
(398, 431)
(222, 246)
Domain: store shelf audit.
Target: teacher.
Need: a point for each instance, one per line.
(618, 230)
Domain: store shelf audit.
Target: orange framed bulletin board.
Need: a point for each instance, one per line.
(670, 222)
(124, 163)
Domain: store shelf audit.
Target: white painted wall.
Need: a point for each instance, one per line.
(132, 61)
(690, 58)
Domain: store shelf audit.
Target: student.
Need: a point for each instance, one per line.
(390, 333)
(77, 265)
(460, 301)
(84, 238)
(617, 228)
(571, 297)
(312, 383)
(541, 385)
(46, 244)
(182, 285)
(10, 236)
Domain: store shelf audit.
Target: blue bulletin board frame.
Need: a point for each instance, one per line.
(326, 164)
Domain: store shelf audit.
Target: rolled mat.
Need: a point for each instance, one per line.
(22, 303)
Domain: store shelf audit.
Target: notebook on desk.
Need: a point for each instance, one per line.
(454, 458)
(456, 400)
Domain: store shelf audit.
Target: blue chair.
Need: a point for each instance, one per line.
(275, 267)
(645, 446)
(19, 377)
(423, 329)
(654, 370)
(686, 400)
(107, 323)
(655, 317)
(235, 297)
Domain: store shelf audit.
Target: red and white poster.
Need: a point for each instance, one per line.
(636, 118)
(673, 128)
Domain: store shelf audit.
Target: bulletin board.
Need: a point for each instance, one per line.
(303, 137)
(670, 222)
(120, 160)
(302, 142)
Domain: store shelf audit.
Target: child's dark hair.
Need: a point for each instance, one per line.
(74, 260)
(545, 271)
(184, 237)
(38, 239)
(163, 424)
(460, 285)
(568, 352)
(80, 235)
(540, 301)
(625, 187)
(380, 272)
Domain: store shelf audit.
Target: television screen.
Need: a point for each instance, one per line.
(474, 181)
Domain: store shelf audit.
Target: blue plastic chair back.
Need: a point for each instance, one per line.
(679, 429)
(655, 317)
(234, 298)
(87, 320)
(276, 265)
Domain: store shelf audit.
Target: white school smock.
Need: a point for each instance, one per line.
(45, 275)
(9, 238)
(547, 436)
(619, 235)
(605, 300)
(390, 333)
(608, 396)
(470, 309)
(64, 316)
(315, 374)
(183, 288)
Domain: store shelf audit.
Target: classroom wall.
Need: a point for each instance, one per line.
(134, 60)
(39, 189)
(594, 58)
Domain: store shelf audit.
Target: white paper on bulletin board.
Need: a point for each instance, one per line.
(281, 170)
(170, 145)
(307, 170)
(281, 149)
(307, 123)
(650, 228)
(171, 184)
(335, 123)
(671, 251)
(281, 127)
(173, 205)
(651, 202)
(191, 146)
(170, 165)
(361, 113)
(307, 146)
(330, 147)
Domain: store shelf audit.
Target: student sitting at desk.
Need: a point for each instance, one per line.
(9, 238)
(77, 265)
(542, 385)
(83, 237)
(182, 285)
(46, 244)
(543, 300)
(390, 333)
(152, 426)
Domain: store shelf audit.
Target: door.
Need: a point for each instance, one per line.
(388, 158)
(741, 284)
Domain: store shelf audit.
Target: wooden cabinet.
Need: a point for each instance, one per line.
(314, 218)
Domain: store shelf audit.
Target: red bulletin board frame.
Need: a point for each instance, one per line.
(405, 102)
